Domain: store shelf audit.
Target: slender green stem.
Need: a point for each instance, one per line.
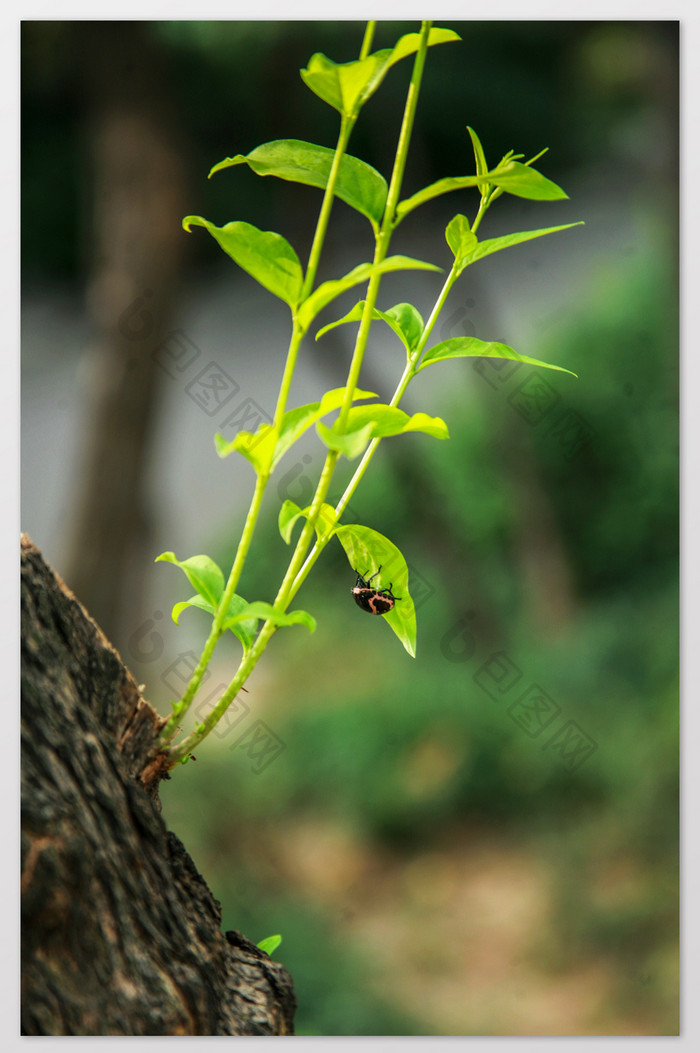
(407, 376)
(346, 126)
(216, 630)
(409, 372)
(381, 249)
(215, 633)
(388, 222)
(287, 588)
(367, 39)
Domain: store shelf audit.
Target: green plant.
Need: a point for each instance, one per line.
(270, 944)
(357, 430)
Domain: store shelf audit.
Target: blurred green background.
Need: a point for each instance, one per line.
(484, 840)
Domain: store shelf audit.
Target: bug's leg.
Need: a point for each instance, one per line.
(374, 575)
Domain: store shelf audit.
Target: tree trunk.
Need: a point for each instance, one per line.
(120, 934)
(137, 179)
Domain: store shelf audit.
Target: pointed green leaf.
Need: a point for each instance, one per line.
(245, 630)
(347, 86)
(341, 85)
(194, 601)
(367, 550)
(359, 185)
(513, 178)
(470, 347)
(407, 323)
(354, 315)
(442, 186)
(290, 513)
(388, 420)
(261, 610)
(266, 256)
(403, 319)
(203, 574)
(479, 249)
(296, 421)
(479, 156)
(257, 447)
(351, 443)
(328, 291)
(460, 240)
(270, 944)
(410, 43)
(525, 181)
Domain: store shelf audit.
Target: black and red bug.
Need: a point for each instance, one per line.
(374, 601)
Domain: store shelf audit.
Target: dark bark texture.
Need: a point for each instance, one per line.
(120, 933)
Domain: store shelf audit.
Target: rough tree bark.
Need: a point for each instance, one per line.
(120, 934)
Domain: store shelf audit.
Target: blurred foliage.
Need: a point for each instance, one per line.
(408, 758)
(564, 562)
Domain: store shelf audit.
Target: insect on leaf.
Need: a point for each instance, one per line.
(366, 551)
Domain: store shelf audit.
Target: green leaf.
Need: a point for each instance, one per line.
(329, 290)
(290, 513)
(257, 447)
(470, 251)
(367, 550)
(461, 240)
(351, 443)
(203, 574)
(410, 43)
(442, 186)
(342, 85)
(513, 178)
(359, 185)
(470, 347)
(266, 256)
(270, 944)
(245, 630)
(407, 323)
(479, 156)
(403, 319)
(194, 601)
(388, 420)
(296, 421)
(261, 610)
(525, 181)
(347, 86)
(377, 421)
